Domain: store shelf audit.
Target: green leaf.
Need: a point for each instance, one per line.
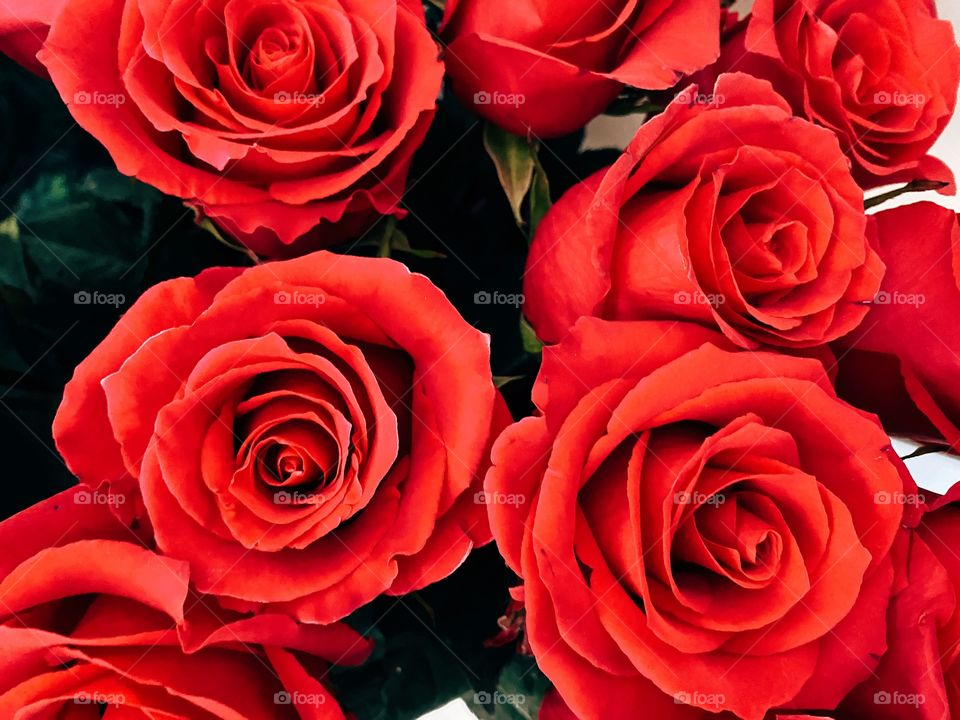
(84, 233)
(515, 161)
(388, 238)
(919, 185)
(401, 243)
(207, 225)
(10, 228)
(413, 674)
(531, 343)
(500, 380)
(517, 696)
(111, 185)
(13, 271)
(539, 200)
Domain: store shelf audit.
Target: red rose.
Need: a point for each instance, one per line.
(273, 118)
(919, 677)
(553, 708)
(307, 434)
(940, 620)
(726, 210)
(90, 618)
(22, 33)
(901, 363)
(713, 523)
(548, 69)
(881, 74)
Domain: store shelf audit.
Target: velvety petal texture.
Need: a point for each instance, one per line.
(901, 363)
(553, 708)
(547, 67)
(725, 210)
(291, 123)
(307, 434)
(881, 74)
(94, 624)
(917, 677)
(698, 529)
(23, 31)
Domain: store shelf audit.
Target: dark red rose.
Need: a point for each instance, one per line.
(881, 74)
(713, 524)
(726, 210)
(901, 363)
(549, 67)
(274, 118)
(92, 621)
(307, 434)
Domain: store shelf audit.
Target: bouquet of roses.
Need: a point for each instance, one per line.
(344, 374)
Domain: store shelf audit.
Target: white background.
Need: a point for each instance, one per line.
(933, 472)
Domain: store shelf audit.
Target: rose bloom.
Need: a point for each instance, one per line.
(306, 434)
(548, 68)
(553, 708)
(881, 74)
(22, 32)
(937, 674)
(901, 363)
(726, 210)
(92, 621)
(703, 528)
(274, 118)
(919, 676)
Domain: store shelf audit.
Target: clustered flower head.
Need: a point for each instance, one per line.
(630, 446)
